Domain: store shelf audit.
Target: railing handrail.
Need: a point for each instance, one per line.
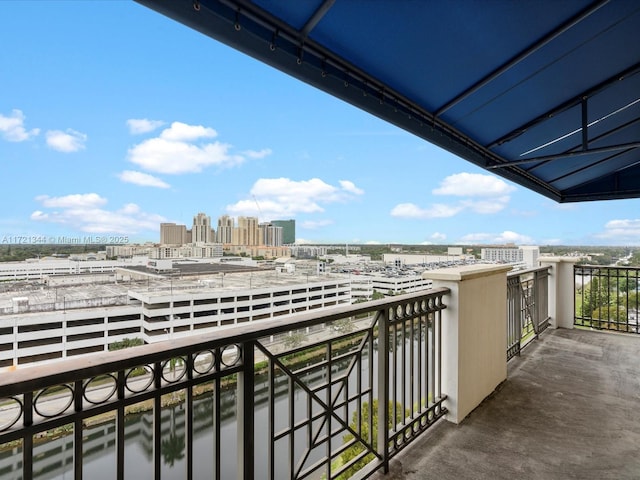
(603, 299)
(607, 267)
(527, 307)
(515, 273)
(68, 370)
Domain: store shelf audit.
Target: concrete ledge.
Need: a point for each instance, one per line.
(551, 259)
(465, 272)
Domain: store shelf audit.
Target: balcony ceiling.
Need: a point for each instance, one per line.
(544, 93)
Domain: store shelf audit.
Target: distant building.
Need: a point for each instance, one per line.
(266, 252)
(526, 255)
(399, 260)
(270, 235)
(202, 232)
(288, 230)
(173, 234)
(246, 232)
(42, 269)
(530, 255)
(127, 251)
(308, 251)
(71, 321)
(367, 283)
(224, 233)
(193, 250)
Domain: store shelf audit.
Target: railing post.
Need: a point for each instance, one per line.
(383, 388)
(561, 290)
(474, 334)
(245, 416)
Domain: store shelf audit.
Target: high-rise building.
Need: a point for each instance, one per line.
(270, 235)
(173, 234)
(224, 234)
(288, 230)
(201, 232)
(246, 233)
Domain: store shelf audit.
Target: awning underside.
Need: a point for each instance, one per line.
(544, 93)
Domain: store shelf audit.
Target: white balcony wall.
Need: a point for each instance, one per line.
(474, 335)
(561, 290)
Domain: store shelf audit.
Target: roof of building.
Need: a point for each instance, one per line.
(42, 298)
(187, 269)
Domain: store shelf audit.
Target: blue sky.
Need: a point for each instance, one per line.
(114, 118)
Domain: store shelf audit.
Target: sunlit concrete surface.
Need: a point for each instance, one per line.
(570, 408)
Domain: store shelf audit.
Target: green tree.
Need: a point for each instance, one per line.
(126, 343)
(611, 317)
(368, 431)
(377, 295)
(344, 325)
(294, 340)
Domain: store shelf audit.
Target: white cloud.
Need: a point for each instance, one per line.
(78, 200)
(438, 237)
(39, 215)
(485, 194)
(184, 148)
(143, 125)
(142, 179)
(283, 197)
(256, 155)
(484, 207)
(350, 187)
(513, 237)
(82, 212)
(622, 231)
(372, 242)
(67, 142)
(496, 238)
(410, 210)
(163, 156)
(12, 127)
(181, 132)
(130, 209)
(473, 185)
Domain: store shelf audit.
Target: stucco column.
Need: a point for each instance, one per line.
(561, 290)
(474, 334)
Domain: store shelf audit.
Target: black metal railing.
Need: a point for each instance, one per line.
(606, 298)
(527, 307)
(322, 395)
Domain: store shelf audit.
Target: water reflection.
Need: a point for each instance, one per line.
(53, 460)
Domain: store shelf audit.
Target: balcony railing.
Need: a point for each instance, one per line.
(336, 392)
(527, 307)
(606, 298)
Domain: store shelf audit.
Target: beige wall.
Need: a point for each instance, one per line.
(474, 334)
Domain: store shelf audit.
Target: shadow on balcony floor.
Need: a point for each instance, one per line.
(569, 409)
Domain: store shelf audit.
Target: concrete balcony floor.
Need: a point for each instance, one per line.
(570, 409)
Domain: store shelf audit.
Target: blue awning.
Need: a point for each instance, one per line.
(545, 93)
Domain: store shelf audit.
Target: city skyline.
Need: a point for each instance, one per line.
(241, 230)
(111, 135)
